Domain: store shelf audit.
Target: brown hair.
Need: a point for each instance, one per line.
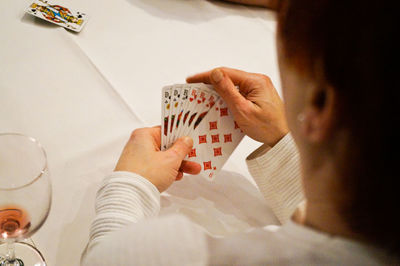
(352, 44)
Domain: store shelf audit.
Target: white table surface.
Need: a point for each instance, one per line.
(82, 94)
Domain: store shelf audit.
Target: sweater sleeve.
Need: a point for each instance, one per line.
(277, 174)
(127, 231)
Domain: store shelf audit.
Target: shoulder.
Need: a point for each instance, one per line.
(290, 244)
(165, 240)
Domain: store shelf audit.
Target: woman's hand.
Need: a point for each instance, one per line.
(256, 106)
(142, 156)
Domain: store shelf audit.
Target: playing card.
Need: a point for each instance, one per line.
(165, 112)
(215, 139)
(57, 14)
(175, 103)
(208, 98)
(224, 135)
(183, 102)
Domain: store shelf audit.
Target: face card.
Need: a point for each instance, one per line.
(190, 109)
(184, 99)
(204, 99)
(165, 110)
(57, 14)
(175, 102)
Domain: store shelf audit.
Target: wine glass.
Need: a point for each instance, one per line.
(25, 198)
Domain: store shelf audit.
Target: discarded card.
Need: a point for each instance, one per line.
(57, 14)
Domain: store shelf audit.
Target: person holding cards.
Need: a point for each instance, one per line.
(330, 181)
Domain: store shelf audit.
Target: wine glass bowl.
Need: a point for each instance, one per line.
(25, 197)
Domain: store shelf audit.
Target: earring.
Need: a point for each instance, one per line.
(301, 117)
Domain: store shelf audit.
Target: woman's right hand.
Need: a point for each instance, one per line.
(256, 106)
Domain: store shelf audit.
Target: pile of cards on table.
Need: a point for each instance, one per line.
(196, 110)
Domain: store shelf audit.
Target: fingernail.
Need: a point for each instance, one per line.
(217, 75)
(187, 140)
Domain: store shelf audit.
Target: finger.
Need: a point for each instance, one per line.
(225, 87)
(201, 77)
(237, 76)
(192, 168)
(179, 176)
(181, 147)
(155, 132)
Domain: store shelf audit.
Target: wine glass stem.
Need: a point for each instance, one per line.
(10, 255)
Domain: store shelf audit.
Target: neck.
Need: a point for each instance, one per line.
(325, 217)
(324, 195)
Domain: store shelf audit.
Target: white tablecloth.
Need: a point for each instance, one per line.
(82, 94)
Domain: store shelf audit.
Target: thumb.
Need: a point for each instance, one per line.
(181, 147)
(225, 87)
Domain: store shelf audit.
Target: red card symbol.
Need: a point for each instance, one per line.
(191, 99)
(192, 153)
(207, 165)
(213, 125)
(224, 111)
(202, 139)
(211, 174)
(217, 151)
(214, 138)
(227, 137)
(198, 101)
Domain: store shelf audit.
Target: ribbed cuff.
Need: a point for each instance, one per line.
(124, 198)
(278, 176)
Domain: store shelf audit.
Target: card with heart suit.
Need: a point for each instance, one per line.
(196, 110)
(57, 14)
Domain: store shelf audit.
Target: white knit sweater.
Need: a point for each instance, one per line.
(127, 231)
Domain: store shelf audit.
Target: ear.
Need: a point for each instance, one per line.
(318, 118)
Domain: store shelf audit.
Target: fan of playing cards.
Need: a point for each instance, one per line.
(196, 110)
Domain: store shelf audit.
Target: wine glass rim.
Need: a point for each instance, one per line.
(44, 155)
